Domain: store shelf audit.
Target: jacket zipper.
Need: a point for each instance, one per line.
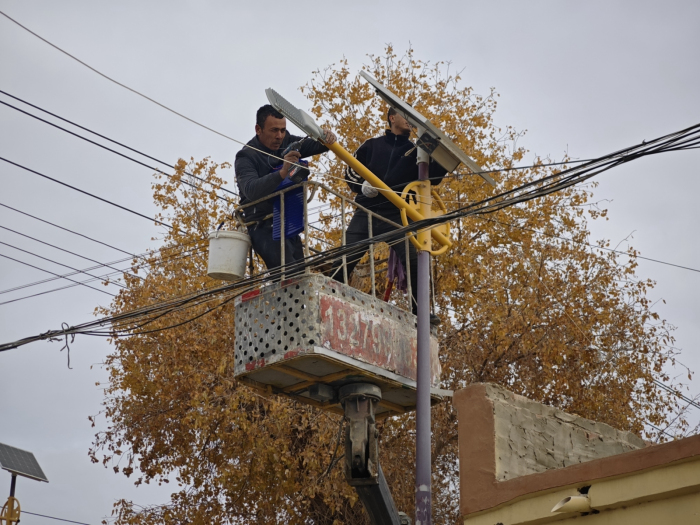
(391, 156)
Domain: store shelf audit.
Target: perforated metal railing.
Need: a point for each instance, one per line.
(310, 188)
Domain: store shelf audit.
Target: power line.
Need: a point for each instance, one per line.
(159, 260)
(52, 273)
(64, 250)
(449, 175)
(511, 225)
(53, 517)
(245, 145)
(659, 430)
(692, 145)
(691, 402)
(76, 272)
(115, 151)
(66, 229)
(106, 138)
(52, 261)
(85, 192)
(677, 141)
(45, 292)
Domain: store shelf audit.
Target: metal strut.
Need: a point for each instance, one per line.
(362, 469)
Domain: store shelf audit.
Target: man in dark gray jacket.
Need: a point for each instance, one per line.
(258, 176)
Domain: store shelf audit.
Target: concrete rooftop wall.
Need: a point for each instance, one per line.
(531, 437)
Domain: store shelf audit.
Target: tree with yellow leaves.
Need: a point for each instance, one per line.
(527, 302)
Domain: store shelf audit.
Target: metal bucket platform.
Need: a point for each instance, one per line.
(308, 336)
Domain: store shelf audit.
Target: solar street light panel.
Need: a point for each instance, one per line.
(434, 141)
(21, 462)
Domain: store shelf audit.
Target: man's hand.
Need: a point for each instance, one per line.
(329, 137)
(368, 190)
(291, 157)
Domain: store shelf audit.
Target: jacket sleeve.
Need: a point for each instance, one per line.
(311, 147)
(353, 179)
(251, 186)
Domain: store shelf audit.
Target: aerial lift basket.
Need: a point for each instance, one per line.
(308, 336)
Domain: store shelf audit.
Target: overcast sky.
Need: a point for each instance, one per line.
(585, 78)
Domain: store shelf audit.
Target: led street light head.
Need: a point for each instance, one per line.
(298, 117)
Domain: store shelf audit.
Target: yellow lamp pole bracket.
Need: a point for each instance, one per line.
(10, 512)
(404, 207)
(412, 202)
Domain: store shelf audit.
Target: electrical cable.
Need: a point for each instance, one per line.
(659, 430)
(245, 145)
(104, 137)
(692, 145)
(96, 278)
(546, 185)
(66, 229)
(511, 225)
(52, 261)
(53, 517)
(159, 260)
(691, 402)
(114, 151)
(64, 250)
(87, 193)
(52, 273)
(77, 283)
(449, 175)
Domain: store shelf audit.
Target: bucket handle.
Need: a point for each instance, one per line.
(234, 217)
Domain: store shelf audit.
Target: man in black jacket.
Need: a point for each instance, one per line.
(392, 158)
(257, 177)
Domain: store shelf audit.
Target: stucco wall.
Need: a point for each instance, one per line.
(531, 437)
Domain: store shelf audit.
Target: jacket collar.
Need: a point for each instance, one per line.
(399, 140)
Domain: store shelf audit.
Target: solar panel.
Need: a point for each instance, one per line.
(434, 141)
(21, 462)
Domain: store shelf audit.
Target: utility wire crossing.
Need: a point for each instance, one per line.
(678, 141)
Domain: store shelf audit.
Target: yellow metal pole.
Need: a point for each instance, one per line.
(10, 512)
(390, 194)
(426, 210)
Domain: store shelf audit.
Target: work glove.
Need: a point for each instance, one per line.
(368, 190)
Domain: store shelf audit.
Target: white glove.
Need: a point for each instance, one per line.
(368, 190)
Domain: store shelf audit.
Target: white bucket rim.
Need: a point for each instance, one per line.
(231, 234)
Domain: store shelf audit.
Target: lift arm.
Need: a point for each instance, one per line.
(362, 469)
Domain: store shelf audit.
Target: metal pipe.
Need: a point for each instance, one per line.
(407, 247)
(13, 483)
(345, 259)
(370, 219)
(283, 261)
(423, 452)
(306, 227)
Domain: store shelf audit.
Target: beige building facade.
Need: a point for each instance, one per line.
(524, 463)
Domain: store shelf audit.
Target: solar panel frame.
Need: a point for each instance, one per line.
(21, 462)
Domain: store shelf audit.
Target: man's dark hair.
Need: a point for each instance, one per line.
(264, 112)
(389, 113)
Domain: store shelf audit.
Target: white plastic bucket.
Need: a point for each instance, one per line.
(228, 252)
